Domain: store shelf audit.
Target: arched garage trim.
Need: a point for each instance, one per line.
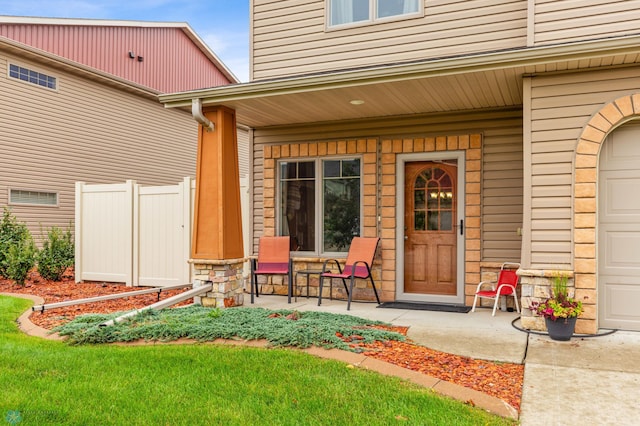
(585, 216)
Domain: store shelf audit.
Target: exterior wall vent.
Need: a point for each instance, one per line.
(38, 198)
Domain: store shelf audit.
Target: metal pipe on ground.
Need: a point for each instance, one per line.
(170, 301)
(158, 290)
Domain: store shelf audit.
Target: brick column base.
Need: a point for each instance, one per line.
(227, 279)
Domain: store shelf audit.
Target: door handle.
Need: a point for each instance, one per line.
(406, 237)
(461, 226)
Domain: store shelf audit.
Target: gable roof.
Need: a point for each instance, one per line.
(164, 56)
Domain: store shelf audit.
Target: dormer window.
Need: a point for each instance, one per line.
(350, 12)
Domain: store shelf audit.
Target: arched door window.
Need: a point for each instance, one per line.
(433, 201)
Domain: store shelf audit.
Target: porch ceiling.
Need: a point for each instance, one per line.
(481, 81)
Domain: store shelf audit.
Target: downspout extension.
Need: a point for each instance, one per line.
(196, 111)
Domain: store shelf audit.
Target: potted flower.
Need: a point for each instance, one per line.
(560, 311)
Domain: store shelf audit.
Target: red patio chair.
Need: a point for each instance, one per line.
(358, 265)
(273, 259)
(505, 286)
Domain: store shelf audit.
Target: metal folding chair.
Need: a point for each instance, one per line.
(274, 258)
(505, 286)
(358, 265)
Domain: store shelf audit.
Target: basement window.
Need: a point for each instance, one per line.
(33, 77)
(33, 198)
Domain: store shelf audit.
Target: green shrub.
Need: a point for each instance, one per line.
(12, 234)
(21, 258)
(57, 254)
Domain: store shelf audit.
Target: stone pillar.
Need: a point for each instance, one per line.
(536, 286)
(227, 280)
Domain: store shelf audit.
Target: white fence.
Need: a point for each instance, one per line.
(134, 234)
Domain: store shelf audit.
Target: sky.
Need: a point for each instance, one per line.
(222, 24)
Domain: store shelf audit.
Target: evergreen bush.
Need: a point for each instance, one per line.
(21, 258)
(280, 327)
(16, 245)
(57, 254)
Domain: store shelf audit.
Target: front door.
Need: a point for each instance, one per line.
(430, 231)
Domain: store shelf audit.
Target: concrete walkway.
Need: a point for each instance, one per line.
(589, 381)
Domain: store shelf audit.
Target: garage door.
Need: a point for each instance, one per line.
(619, 230)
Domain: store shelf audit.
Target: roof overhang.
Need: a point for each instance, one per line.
(487, 80)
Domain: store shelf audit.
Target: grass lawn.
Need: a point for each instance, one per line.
(48, 382)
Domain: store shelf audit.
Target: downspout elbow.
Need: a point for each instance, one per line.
(196, 111)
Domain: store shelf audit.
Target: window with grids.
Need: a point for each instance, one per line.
(433, 201)
(31, 76)
(347, 12)
(38, 198)
(320, 204)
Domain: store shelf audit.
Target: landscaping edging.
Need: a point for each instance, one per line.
(452, 390)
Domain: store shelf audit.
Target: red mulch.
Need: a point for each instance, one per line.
(502, 380)
(67, 289)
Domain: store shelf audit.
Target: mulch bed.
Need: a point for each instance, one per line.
(67, 289)
(502, 380)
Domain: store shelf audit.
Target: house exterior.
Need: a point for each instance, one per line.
(463, 134)
(80, 103)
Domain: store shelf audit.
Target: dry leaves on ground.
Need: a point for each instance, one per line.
(501, 380)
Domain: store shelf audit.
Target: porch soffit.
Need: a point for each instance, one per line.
(483, 81)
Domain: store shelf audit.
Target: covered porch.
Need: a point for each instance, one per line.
(469, 118)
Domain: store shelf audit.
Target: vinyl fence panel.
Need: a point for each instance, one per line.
(103, 232)
(134, 234)
(162, 235)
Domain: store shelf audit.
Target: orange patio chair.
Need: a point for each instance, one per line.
(505, 286)
(358, 265)
(273, 259)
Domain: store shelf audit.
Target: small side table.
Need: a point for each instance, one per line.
(306, 272)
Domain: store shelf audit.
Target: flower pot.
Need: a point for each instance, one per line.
(561, 329)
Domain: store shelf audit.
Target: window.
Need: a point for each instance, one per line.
(39, 198)
(320, 204)
(31, 76)
(433, 201)
(344, 12)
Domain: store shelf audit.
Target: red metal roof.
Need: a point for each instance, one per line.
(166, 57)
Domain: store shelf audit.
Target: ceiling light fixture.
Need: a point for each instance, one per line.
(356, 102)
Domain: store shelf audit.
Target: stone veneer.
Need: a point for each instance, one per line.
(227, 279)
(585, 216)
(536, 286)
(379, 199)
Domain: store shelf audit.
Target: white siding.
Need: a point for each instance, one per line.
(571, 20)
(84, 131)
(243, 152)
(290, 36)
(561, 106)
